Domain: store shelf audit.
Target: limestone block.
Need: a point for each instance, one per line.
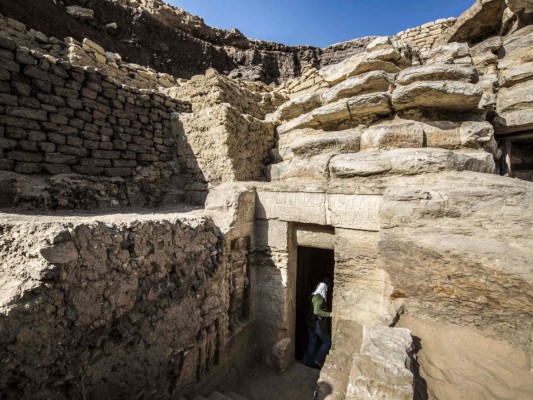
(331, 113)
(456, 96)
(298, 106)
(374, 81)
(477, 21)
(355, 108)
(80, 12)
(368, 105)
(315, 167)
(315, 236)
(303, 121)
(516, 56)
(302, 207)
(271, 234)
(478, 135)
(445, 54)
(89, 45)
(519, 6)
(379, 43)
(379, 371)
(516, 74)
(437, 72)
(337, 142)
(514, 107)
(392, 136)
(408, 162)
(355, 65)
(359, 212)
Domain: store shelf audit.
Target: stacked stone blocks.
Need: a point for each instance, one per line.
(58, 118)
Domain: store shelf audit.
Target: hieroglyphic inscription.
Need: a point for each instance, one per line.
(292, 206)
(354, 211)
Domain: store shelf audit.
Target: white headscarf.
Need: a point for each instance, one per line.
(322, 290)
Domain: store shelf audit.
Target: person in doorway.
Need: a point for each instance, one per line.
(316, 319)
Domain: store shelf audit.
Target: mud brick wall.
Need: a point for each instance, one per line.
(141, 319)
(57, 118)
(423, 37)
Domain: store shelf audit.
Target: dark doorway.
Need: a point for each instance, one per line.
(312, 266)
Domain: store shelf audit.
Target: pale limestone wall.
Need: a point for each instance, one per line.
(423, 37)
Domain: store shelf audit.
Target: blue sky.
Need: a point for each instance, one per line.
(320, 22)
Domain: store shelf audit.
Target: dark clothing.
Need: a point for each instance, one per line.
(317, 329)
(314, 334)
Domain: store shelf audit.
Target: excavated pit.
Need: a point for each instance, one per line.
(159, 236)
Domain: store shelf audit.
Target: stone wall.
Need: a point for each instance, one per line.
(59, 118)
(119, 306)
(424, 36)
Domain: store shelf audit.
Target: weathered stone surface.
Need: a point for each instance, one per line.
(80, 12)
(210, 138)
(519, 6)
(392, 136)
(408, 162)
(437, 72)
(355, 109)
(368, 106)
(374, 81)
(327, 142)
(482, 18)
(298, 106)
(513, 107)
(457, 96)
(380, 371)
(355, 65)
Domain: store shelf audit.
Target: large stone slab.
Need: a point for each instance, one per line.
(369, 105)
(379, 371)
(482, 18)
(354, 109)
(519, 6)
(455, 96)
(514, 108)
(292, 206)
(355, 65)
(408, 162)
(374, 81)
(393, 136)
(297, 106)
(359, 212)
(437, 72)
(337, 142)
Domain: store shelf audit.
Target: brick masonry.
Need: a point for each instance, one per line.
(58, 118)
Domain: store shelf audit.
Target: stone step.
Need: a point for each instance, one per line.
(198, 397)
(234, 396)
(217, 396)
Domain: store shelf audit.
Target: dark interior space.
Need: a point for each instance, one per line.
(312, 266)
(517, 156)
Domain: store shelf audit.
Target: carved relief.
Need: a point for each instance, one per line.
(238, 269)
(354, 211)
(292, 206)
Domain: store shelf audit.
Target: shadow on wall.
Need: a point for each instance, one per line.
(269, 305)
(421, 387)
(191, 187)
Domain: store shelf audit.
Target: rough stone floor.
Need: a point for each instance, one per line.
(261, 383)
